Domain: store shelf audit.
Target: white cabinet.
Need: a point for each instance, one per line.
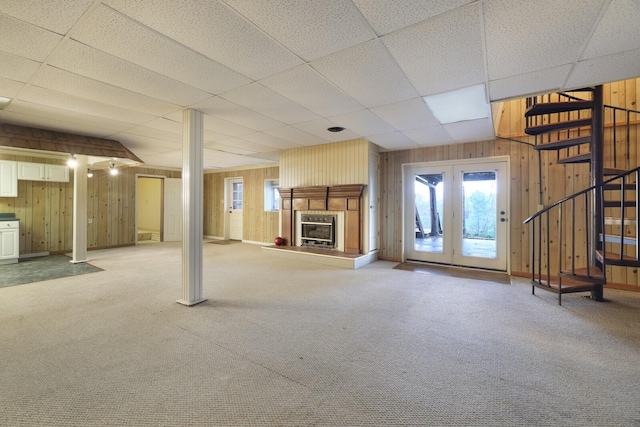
(43, 172)
(9, 242)
(8, 178)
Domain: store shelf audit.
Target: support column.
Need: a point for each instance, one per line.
(79, 253)
(192, 207)
(597, 176)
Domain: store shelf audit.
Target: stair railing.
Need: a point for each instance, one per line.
(563, 216)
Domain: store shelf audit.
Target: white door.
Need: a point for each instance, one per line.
(234, 203)
(172, 209)
(374, 179)
(457, 214)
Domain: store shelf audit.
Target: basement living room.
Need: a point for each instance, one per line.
(345, 213)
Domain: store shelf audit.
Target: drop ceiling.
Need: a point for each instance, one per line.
(273, 75)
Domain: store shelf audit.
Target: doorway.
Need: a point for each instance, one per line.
(149, 213)
(234, 200)
(455, 213)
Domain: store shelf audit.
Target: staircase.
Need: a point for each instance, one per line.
(576, 238)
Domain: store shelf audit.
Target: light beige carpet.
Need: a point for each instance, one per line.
(281, 343)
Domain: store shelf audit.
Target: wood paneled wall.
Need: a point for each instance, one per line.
(45, 209)
(339, 163)
(258, 225)
(557, 181)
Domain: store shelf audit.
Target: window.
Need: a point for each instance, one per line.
(271, 195)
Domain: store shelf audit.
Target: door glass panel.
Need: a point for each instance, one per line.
(479, 214)
(429, 191)
(237, 195)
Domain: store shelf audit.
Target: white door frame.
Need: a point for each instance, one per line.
(478, 161)
(227, 202)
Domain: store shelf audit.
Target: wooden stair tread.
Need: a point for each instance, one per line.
(557, 107)
(614, 171)
(568, 286)
(616, 187)
(617, 203)
(609, 220)
(580, 158)
(540, 129)
(614, 259)
(583, 274)
(565, 143)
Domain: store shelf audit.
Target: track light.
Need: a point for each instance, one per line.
(89, 173)
(113, 170)
(72, 162)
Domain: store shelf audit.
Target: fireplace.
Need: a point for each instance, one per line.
(318, 230)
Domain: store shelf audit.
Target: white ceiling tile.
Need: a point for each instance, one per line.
(334, 25)
(292, 134)
(473, 130)
(42, 122)
(227, 148)
(270, 141)
(386, 16)
(368, 74)
(21, 39)
(306, 87)
(443, 53)
(405, 115)
(363, 123)
(111, 32)
(84, 87)
(167, 125)
(62, 101)
(225, 127)
(619, 66)
(135, 142)
(527, 84)
(393, 141)
(10, 88)
(86, 61)
(215, 30)
(245, 144)
(533, 35)
(269, 103)
(72, 121)
(617, 31)
(429, 136)
(270, 157)
(151, 132)
(17, 68)
(319, 129)
(232, 112)
(54, 15)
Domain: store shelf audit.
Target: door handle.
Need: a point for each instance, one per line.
(503, 220)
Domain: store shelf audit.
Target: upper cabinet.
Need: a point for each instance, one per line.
(8, 178)
(43, 172)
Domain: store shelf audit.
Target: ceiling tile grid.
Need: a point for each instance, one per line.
(617, 31)
(319, 129)
(619, 66)
(307, 87)
(111, 32)
(406, 115)
(534, 35)
(432, 52)
(16, 67)
(54, 15)
(530, 83)
(429, 136)
(393, 141)
(28, 41)
(215, 30)
(10, 88)
(368, 74)
(232, 112)
(335, 25)
(363, 122)
(297, 136)
(386, 16)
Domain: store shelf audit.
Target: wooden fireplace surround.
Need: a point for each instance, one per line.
(346, 198)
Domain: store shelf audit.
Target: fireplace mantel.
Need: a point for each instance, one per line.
(346, 198)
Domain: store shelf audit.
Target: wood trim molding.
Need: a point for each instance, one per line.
(345, 198)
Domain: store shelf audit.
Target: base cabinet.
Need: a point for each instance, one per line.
(9, 242)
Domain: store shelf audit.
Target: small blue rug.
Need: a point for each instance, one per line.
(44, 268)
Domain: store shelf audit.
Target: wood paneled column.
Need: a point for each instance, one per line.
(192, 204)
(79, 252)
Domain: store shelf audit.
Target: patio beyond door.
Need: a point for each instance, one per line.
(456, 213)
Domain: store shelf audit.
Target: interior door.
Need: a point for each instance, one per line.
(457, 214)
(172, 196)
(235, 202)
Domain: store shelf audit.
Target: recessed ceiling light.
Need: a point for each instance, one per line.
(469, 103)
(335, 129)
(4, 102)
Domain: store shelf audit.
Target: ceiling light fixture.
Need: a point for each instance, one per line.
(89, 173)
(113, 170)
(72, 162)
(4, 102)
(335, 129)
(460, 105)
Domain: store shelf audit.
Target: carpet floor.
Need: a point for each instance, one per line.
(285, 343)
(40, 269)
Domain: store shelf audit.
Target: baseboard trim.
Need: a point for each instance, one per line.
(253, 242)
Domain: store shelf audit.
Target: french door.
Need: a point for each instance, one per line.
(456, 213)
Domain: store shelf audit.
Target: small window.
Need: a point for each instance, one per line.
(271, 195)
